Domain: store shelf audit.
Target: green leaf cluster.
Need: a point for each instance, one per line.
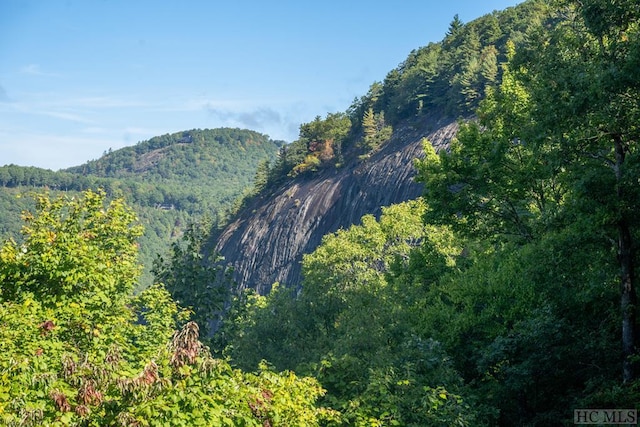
(77, 348)
(194, 277)
(355, 325)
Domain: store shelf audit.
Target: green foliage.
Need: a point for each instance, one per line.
(323, 139)
(493, 180)
(354, 324)
(13, 202)
(548, 178)
(311, 163)
(509, 307)
(376, 132)
(193, 279)
(595, 55)
(502, 298)
(530, 327)
(451, 77)
(77, 348)
(90, 243)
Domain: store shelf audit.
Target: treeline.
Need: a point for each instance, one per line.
(143, 193)
(451, 77)
(20, 176)
(447, 79)
(192, 171)
(184, 155)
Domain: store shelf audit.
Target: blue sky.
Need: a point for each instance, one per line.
(78, 77)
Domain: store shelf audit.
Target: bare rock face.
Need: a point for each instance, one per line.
(266, 242)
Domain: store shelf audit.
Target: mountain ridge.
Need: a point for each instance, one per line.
(138, 158)
(353, 163)
(266, 242)
(169, 180)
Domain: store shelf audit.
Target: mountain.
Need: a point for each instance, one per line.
(266, 241)
(169, 180)
(195, 171)
(351, 164)
(507, 294)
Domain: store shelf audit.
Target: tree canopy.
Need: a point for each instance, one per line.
(78, 348)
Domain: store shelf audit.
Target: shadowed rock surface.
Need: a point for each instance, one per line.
(266, 241)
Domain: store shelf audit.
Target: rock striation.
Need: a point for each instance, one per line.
(266, 241)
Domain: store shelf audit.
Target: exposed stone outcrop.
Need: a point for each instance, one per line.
(266, 241)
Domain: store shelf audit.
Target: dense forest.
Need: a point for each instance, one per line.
(505, 295)
(171, 181)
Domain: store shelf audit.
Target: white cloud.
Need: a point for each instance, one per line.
(66, 116)
(34, 70)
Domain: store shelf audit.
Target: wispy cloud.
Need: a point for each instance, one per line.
(67, 116)
(87, 124)
(202, 104)
(278, 124)
(51, 151)
(35, 70)
(258, 118)
(26, 109)
(85, 110)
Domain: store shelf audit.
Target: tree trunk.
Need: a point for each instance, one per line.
(627, 302)
(627, 275)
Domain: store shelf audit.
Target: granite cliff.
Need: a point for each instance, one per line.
(420, 98)
(266, 241)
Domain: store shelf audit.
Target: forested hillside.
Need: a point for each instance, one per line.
(506, 295)
(349, 164)
(444, 80)
(170, 180)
